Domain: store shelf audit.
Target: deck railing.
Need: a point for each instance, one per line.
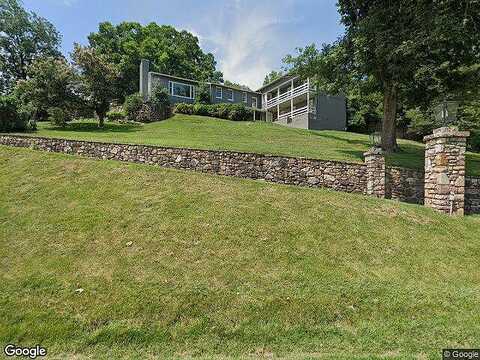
(300, 90)
(296, 112)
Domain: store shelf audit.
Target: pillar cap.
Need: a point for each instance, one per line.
(447, 132)
(374, 151)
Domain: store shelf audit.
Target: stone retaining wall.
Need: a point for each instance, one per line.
(400, 184)
(285, 170)
(405, 185)
(472, 195)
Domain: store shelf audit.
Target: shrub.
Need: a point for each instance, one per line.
(160, 103)
(116, 115)
(235, 112)
(183, 108)
(13, 117)
(58, 117)
(132, 106)
(202, 94)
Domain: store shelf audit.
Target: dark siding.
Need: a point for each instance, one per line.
(331, 113)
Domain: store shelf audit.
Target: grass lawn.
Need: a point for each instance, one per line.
(222, 267)
(206, 133)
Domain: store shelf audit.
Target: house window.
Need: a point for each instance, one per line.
(254, 102)
(244, 97)
(181, 90)
(218, 92)
(229, 94)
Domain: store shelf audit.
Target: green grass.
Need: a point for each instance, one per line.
(266, 138)
(223, 267)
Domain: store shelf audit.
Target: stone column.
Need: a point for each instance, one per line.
(375, 161)
(445, 170)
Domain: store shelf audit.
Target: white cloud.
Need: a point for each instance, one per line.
(248, 39)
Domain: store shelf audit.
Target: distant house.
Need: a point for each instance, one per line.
(287, 101)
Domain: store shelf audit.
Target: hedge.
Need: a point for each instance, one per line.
(12, 117)
(235, 112)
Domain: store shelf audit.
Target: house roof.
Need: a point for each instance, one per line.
(276, 82)
(207, 82)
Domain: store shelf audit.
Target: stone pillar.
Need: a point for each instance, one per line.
(445, 170)
(144, 70)
(375, 161)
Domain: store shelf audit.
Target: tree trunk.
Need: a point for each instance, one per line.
(389, 136)
(101, 121)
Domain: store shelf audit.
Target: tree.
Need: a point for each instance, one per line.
(236, 85)
(202, 93)
(99, 79)
(51, 83)
(170, 51)
(272, 76)
(24, 37)
(414, 49)
(332, 71)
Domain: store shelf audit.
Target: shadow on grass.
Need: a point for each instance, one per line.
(341, 139)
(92, 127)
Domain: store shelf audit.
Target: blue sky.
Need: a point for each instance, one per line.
(248, 37)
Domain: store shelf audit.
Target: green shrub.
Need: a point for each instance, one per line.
(202, 94)
(160, 103)
(58, 117)
(235, 112)
(13, 117)
(201, 109)
(183, 108)
(132, 106)
(116, 115)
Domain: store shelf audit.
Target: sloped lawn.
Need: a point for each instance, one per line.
(180, 264)
(208, 133)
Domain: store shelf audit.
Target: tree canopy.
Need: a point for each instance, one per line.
(415, 49)
(99, 77)
(272, 76)
(171, 51)
(24, 37)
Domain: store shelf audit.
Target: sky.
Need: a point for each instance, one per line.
(249, 38)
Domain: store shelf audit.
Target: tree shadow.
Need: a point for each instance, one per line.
(341, 139)
(92, 127)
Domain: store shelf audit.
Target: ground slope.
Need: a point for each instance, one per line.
(202, 132)
(224, 267)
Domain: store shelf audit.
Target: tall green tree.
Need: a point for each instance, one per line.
(331, 69)
(24, 37)
(51, 83)
(272, 76)
(171, 51)
(414, 48)
(99, 79)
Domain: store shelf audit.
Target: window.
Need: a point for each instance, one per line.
(218, 92)
(229, 94)
(244, 97)
(181, 90)
(254, 102)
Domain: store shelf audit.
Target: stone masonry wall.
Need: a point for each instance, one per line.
(405, 185)
(285, 170)
(472, 195)
(401, 184)
(445, 170)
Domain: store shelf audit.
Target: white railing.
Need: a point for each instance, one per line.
(295, 113)
(300, 90)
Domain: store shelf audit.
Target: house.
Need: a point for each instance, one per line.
(288, 101)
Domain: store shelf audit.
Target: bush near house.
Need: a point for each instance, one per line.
(13, 117)
(156, 108)
(116, 115)
(234, 112)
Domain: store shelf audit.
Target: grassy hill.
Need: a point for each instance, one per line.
(224, 267)
(266, 138)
